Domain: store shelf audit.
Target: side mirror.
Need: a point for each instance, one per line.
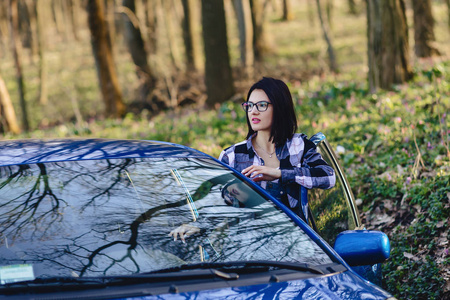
(362, 247)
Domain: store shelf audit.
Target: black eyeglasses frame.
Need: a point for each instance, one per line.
(248, 106)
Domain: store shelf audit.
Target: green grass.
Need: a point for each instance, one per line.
(379, 132)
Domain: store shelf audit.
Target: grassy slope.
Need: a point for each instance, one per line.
(396, 143)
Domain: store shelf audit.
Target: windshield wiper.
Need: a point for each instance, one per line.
(50, 283)
(224, 270)
(239, 265)
(57, 280)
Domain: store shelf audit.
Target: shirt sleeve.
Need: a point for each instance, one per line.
(313, 173)
(223, 157)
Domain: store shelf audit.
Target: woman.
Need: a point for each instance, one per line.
(273, 155)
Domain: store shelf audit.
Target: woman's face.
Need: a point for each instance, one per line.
(236, 194)
(260, 121)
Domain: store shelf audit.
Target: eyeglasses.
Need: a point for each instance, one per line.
(260, 106)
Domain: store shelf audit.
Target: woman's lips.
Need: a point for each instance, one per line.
(256, 121)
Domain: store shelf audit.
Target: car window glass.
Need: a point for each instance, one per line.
(330, 208)
(111, 217)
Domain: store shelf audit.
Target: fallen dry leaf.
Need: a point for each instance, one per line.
(430, 174)
(410, 256)
(382, 220)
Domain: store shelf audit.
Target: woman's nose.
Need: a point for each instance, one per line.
(254, 110)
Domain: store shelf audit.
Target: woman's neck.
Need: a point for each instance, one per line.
(262, 140)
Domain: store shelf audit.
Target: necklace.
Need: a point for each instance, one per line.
(270, 154)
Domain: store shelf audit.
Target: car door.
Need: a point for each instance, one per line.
(334, 210)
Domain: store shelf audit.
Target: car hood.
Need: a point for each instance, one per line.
(345, 285)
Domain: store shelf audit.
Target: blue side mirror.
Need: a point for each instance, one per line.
(362, 247)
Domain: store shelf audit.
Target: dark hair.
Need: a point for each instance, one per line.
(284, 121)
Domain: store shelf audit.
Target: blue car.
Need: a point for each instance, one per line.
(123, 219)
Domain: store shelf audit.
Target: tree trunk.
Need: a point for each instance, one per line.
(58, 17)
(448, 13)
(136, 47)
(140, 15)
(287, 13)
(7, 112)
(189, 35)
(102, 50)
(243, 14)
(67, 15)
(31, 12)
(73, 11)
(325, 31)
(218, 76)
(151, 22)
(329, 9)
(77, 12)
(110, 13)
(4, 33)
(388, 47)
(167, 16)
(16, 49)
(41, 12)
(260, 46)
(424, 37)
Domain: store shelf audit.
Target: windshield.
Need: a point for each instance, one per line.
(126, 216)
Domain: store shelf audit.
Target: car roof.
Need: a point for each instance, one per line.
(26, 151)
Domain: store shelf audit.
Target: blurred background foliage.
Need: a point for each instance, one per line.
(393, 142)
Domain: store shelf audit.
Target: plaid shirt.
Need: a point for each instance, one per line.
(300, 164)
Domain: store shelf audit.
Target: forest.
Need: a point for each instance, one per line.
(372, 75)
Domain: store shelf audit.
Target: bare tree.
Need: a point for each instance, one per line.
(260, 45)
(448, 13)
(41, 11)
(189, 36)
(31, 15)
(59, 18)
(326, 36)
(74, 11)
(151, 22)
(16, 49)
(167, 16)
(287, 13)
(102, 50)
(329, 6)
(110, 13)
(7, 113)
(4, 33)
(424, 29)
(243, 14)
(136, 47)
(388, 46)
(218, 76)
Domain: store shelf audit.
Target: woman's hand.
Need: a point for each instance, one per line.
(184, 230)
(262, 173)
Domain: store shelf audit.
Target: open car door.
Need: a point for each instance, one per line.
(333, 212)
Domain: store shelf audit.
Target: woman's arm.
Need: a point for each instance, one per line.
(224, 157)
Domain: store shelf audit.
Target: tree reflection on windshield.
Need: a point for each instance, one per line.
(113, 217)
